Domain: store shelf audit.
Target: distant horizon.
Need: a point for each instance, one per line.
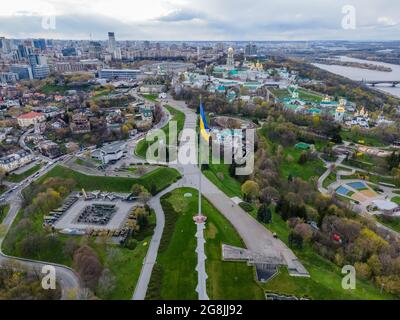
(216, 41)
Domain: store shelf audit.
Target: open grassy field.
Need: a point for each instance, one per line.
(3, 211)
(304, 171)
(280, 93)
(392, 223)
(21, 176)
(304, 94)
(310, 95)
(151, 97)
(177, 116)
(160, 178)
(175, 276)
(356, 137)
(219, 175)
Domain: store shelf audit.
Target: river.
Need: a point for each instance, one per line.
(359, 74)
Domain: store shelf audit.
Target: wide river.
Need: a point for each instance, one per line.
(358, 74)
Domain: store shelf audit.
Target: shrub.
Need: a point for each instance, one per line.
(246, 206)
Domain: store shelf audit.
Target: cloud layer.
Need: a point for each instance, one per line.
(202, 19)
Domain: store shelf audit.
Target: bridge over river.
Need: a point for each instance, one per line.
(373, 83)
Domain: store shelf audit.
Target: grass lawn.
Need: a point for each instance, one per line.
(126, 263)
(151, 97)
(392, 222)
(310, 95)
(102, 93)
(314, 168)
(370, 140)
(3, 211)
(219, 175)
(176, 277)
(326, 277)
(160, 177)
(80, 161)
(396, 200)
(22, 176)
(280, 93)
(177, 116)
(329, 180)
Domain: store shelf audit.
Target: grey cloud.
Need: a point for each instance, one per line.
(181, 15)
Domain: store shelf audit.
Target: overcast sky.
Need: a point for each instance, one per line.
(200, 19)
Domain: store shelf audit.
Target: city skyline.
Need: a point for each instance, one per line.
(207, 20)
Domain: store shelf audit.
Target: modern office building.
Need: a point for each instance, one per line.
(110, 152)
(69, 52)
(24, 71)
(111, 42)
(23, 51)
(8, 77)
(250, 50)
(40, 71)
(40, 44)
(94, 50)
(37, 59)
(126, 74)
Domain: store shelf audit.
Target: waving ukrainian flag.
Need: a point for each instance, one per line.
(203, 124)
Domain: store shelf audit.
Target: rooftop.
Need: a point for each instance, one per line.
(30, 115)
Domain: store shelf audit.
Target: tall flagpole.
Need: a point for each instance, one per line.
(198, 158)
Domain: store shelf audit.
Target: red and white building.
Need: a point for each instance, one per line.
(30, 118)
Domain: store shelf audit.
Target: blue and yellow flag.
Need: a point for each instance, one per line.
(203, 124)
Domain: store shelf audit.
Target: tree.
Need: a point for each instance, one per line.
(88, 265)
(268, 215)
(250, 189)
(295, 240)
(125, 130)
(2, 176)
(303, 158)
(136, 189)
(144, 196)
(264, 214)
